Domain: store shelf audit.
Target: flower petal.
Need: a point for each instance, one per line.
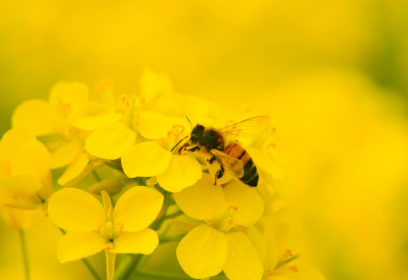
(20, 219)
(6, 197)
(12, 140)
(21, 185)
(110, 142)
(243, 261)
(153, 85)
(299, 271)
(203, 200)
(137, 208)
(280, 238)
(33, 159)
(258, 241)
(35, 116)
(202, 252)
(10, 143)
(249, 204)
(71, 98)
(275, 277)
(90, 123)
(78, 245)
(152, 125)
(183, 171)
(141, 242)
(65, 155)
(75, 210)
(272, 254)
(75, 169)
(145, 160)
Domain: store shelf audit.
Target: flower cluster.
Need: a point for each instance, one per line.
(108, 170)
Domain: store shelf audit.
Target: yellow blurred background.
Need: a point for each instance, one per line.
(332, 74)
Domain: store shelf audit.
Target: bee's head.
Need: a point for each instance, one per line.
(197, 133)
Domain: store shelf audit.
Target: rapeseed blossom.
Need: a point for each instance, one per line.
(92, 227)
(220, 244)
(25, 180)
(144, 136)
(282, 261)
(63, 123)
(174, 172)
(125, 149)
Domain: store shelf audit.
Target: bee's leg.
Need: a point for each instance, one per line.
(211, 159)
(219, 174)
(183, 148)
(194, 149)
(214, 169)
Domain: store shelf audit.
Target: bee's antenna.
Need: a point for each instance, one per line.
(178, 143)
(189, 121)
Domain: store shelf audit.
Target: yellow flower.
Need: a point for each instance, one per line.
(65, 115)
(282, 262)
(67, 101)
(221, 243)
(174, 172)
(78, 162)
(144, 120)
(92, 227)
(18, 218)
(78, 119)
(150, 115)
(294, 271)
(25, 178)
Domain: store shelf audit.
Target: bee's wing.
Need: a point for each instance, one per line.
(232, 164)
(246, 128)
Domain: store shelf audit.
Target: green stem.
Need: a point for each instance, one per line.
(126, 267)
(110, 264)
(167, 199)
(220, 276)
(91, 269)
(96, 175)
(164, 239)
(161, 276)
(25, 255)
(173, 215)
(115, 164)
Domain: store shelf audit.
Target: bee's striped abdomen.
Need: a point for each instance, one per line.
(250, 174)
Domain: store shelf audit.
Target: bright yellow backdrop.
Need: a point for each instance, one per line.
(332, 74)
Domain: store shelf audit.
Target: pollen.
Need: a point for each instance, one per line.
(208, 221)
(100, 227)
(64, 109)
(125, 101)
(232, 207)
(119, 226)
(240, 227)
(288, 254)
(110, 246)
(293, 268)
(176, 130)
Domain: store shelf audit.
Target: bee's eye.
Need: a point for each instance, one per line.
(197, 133)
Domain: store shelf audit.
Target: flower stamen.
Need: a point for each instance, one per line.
(227, 223)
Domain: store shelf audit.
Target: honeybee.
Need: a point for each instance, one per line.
(227, 154)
